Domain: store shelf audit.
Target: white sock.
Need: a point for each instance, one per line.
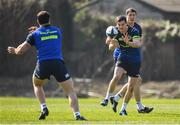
(140, 105)
(123, 106)
(108, 96)
(117, 97)
(77, 114)
(43, 105)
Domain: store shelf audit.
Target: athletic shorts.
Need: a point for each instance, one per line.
(44, 69)
(116, 54)
(132, 68)
(115, 59)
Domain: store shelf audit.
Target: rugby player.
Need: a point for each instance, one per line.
(132, 65)
(48, 41)
(131, 21)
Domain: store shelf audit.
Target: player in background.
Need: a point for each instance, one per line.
(131, 20)
(48, 41)
(131, 17)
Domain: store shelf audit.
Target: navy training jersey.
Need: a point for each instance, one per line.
(138, 28)
(117, 51)
(47, 40)
(128, 52)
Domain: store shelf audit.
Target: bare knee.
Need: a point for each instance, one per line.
(132, 83)
(68, 86)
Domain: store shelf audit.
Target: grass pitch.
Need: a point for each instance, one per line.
(26, 111)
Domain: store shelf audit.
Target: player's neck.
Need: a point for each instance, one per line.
(46, 24)
(131, 24)
(125, 31)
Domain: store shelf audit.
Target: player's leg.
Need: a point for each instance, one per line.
(133, 78)
(140, 107)
(112, 83)
(61, 74)
(38, 89)
(130, 87)
(137, 90)
(39, 92)
(118, 72)
(110, 90)
(40, 76)
(137, 95)
(114, 99)
(122, 92)
(131, 84)
(73, 101)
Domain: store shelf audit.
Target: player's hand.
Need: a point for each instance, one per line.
(11, 50)
(125, 38)
(114, 42)
(32, 29)
(111, 47)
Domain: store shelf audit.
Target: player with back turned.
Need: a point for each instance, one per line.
(48, 41)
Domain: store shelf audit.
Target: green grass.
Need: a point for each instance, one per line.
(26, 111)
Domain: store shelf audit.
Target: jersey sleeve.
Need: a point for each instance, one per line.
(30, 39)
(136, 34)
(60, 33)
(140, 31)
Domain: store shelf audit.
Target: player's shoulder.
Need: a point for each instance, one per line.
(132, 30)
(35, 31)
(32, 33)
(53, 27)
(137, 26)
(56, 28)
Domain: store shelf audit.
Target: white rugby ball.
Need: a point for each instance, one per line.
(111, 31)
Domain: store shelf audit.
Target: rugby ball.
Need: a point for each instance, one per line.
(111, 31)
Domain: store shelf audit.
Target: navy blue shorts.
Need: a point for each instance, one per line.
(44, 69)
(132, 68)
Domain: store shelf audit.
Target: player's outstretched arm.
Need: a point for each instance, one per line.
(108, 40)
(136, 43)
(112, 43)
(21, 49)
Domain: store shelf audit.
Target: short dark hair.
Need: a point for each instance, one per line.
(130, 10)
(43, 17)
(120, 18)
